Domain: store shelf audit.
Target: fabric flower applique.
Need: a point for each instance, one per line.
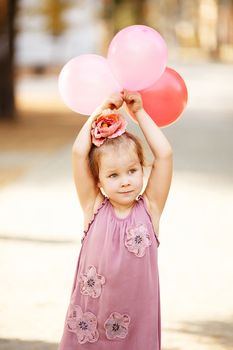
(82, 324)
(116, 325)
(91, 282)
(109, 124)
(137, 239)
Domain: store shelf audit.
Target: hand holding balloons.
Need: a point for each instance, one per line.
(133, 101)
(114, 101)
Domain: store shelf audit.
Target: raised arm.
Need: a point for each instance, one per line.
(84, 181)
(86, 187)
(159, 182)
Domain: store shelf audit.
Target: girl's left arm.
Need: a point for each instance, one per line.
(159, 182)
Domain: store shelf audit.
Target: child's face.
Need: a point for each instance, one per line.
(121, 175)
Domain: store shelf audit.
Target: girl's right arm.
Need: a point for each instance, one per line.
(86, 186)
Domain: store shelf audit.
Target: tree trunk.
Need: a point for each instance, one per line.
(118, 14)
(7, 100)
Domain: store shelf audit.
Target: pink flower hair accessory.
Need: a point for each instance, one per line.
(109, 124)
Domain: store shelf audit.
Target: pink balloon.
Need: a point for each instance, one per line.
(137, 56)
(85, 81)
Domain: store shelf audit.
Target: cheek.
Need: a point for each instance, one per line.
(111, 183)
(140, 179)
(107, 183)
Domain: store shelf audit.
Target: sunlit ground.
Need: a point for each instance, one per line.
(41, 221)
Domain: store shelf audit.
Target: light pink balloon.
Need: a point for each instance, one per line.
(85, 81)
(137, 56)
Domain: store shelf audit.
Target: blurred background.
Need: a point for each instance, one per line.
(40, 217)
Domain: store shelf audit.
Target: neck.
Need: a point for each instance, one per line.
(120, 207)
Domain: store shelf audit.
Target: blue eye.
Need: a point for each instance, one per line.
(132, 171)
(113, 175)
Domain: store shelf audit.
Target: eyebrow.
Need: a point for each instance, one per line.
(130, 165)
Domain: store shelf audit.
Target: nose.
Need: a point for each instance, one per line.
(125, 181)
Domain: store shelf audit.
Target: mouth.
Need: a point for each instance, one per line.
(126, 192)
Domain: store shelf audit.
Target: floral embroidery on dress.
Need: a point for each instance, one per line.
(137, 239)
(91, 282)
(82, 324)
(116, 325)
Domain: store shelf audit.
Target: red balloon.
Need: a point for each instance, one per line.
(165, 100)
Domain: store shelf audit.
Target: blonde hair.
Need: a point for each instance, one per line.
(125, 140)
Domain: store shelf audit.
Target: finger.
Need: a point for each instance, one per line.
(119, 103)
(115, 103)
(116, 95)
(111, 99)
(129, 98)
(128, 95)
(124, 93)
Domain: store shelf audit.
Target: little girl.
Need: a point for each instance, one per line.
(115, 299)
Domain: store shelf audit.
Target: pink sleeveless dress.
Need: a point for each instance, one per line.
(115, 299)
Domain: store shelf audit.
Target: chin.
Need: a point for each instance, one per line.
(128, 197)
